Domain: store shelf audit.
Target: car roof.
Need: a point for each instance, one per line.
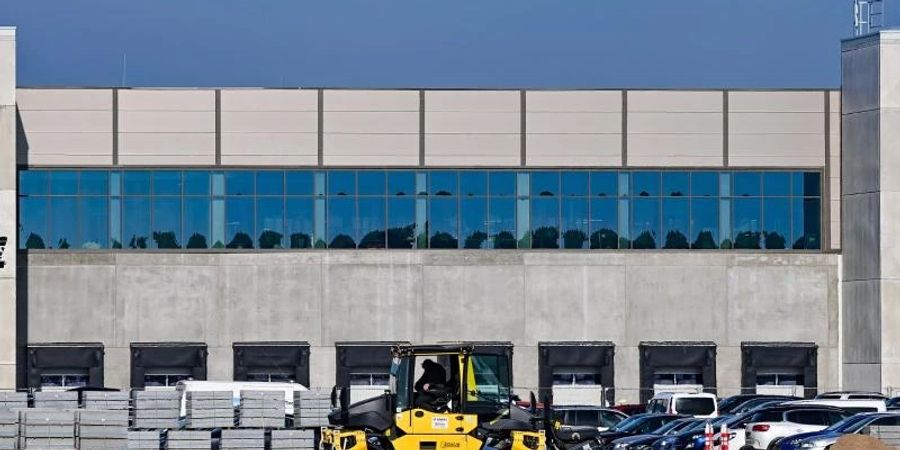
(583, 407)
(683, 394)
(782, 408)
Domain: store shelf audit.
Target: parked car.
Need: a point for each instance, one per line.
(700, 405)
(851, 395)
(689, 437)
(768, 426)
(642, 441)
(634, 425)
(729, 404)
(755, 404)
(821, 440)
(583, 422)
(631, 408)
(737, 435)
(893, 403)
(852, 406)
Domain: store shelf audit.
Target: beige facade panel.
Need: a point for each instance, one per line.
(371, 122)
(268, 149)
(574, 101)
(370, 101)
(835, 101)
(167, 100)
(675, 101)
(7, 67)
(64, 99)
(167, 148)
(574, 150)
(167, 122)
(66, 121)
(776, 101)
(573, 122)
(675, 123)
(269, 122)
(472, 122)
(472, 101)
(65, 149)
(675, 150)
(269, 100)
(472, 149)
(776, 150)
(776, 122)
(371, 149)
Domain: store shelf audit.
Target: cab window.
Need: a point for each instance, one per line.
(695, 406)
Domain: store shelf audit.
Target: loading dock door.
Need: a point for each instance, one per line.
(272, 361)
(364, 367)
(577, 373)
(779, 368)
(63, 366)
(677, 366)
(161, 365)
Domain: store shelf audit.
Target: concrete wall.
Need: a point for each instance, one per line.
(427, 296)
(8, 204)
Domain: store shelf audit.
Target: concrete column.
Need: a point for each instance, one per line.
(8, 228)
(871, 220)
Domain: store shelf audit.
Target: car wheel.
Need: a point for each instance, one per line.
(747, 447)
(774, 444)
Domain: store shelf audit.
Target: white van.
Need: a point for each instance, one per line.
(183, 387)
(699, 405)
(852, 406)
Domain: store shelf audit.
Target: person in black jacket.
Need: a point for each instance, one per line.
(431, 384)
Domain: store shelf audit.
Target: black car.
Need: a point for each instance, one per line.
(584, 422)
(729, 404)
(893, 403)
(645, 440)
(634, 425)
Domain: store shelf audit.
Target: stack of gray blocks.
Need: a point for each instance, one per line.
(9, 429)
(189, 439)
(261, 409)
(292, 439)
(46, 429)
(56, 399)
(243, 440)
(13, 400)
(144, 440)
(156, 409)
(109, 400)
(213, 409)
(102, 430)
(311, 409)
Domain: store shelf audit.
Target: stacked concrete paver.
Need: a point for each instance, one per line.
(213, 409)
(311, 409)
(243, 439)
(47, 429)
(9, 429)
(101, 430)
(292, 439)
(261, 409)
(56, 399)
(144, 440)
(188, 439)
(13, 400)
(108, 400)
(156, 409)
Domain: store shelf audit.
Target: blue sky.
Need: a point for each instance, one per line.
(430, 43)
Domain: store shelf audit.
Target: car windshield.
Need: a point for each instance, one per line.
(629, 423)
(695, 406)
(852, 426)
(671, 427)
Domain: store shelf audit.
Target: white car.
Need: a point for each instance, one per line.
(700, 405)
(853, 406)
(851, 395)
(854, 425)
(768, 426)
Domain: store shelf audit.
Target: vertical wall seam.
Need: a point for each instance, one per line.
(115, 126)
(320, 140)
(624, 128)
(218, 127)
(523, 151)
(725, 128)
(826, 188)
(421, 128)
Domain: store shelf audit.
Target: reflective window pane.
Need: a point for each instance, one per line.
(115, 183)
(676, 184)
(166, 222)
(545, 184)
(298, 218)
(442, 223)
(704, 184)
(371, 182)
(401, 232)
(704, 224)
(93, 221)
(298, 182)
(34, 215)
(645, 223)
(472, 183)
(196, 182)
(545, 222)
(502, 222)
(806, 214)
(645, 184)
(675, 223)
(776, 184)
(270, 222)
(372, 232)
(473, 222)
(523, 223)
(269, 182)
(575, 222)
(777, 225)
(341, 223)
(746, 184)
(341, 182)
(217, 219)
(218, 183)
(604, 223)
(443, 183)
(196, 222)
(239, 227)
(63, 182)
(401, 183)
(94, 182)
(574, 184)
(604, 184)
(239, 182)
(136, 222)
(807, 184)
(136, 182)
(63, 223)
(167, 182)
(747, 223)
(502, 184)
(34, 182)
